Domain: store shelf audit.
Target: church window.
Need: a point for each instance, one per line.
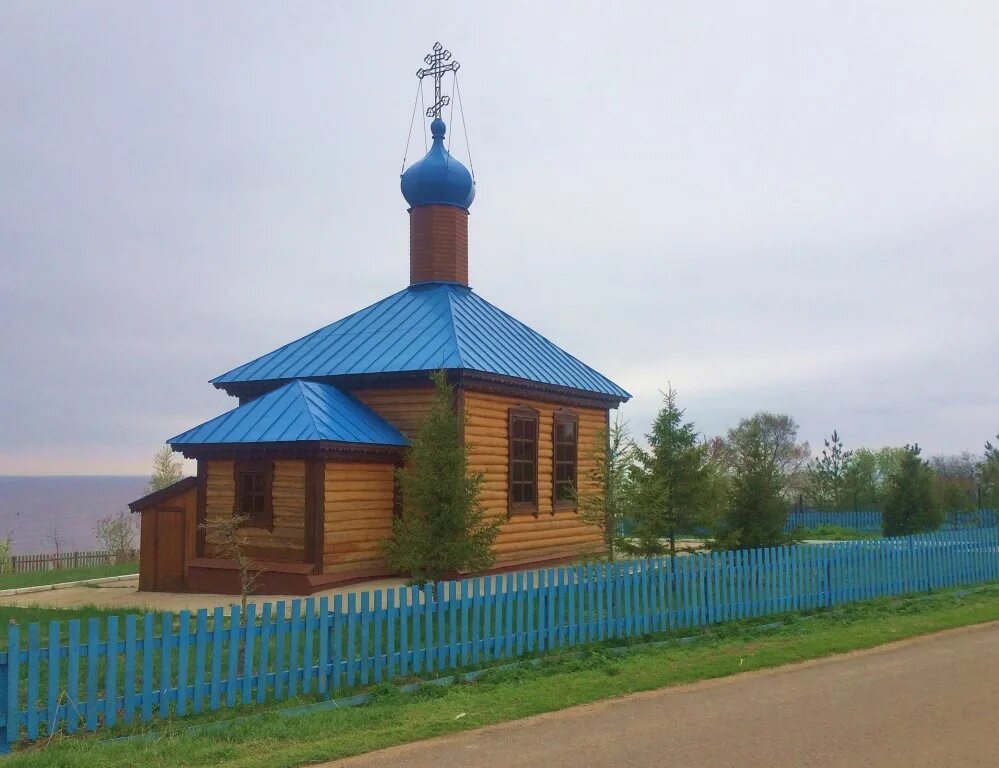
(523, 435)
(565, 449)
(253, 492)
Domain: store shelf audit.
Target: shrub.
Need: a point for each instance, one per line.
(7, 554)
(116, 533)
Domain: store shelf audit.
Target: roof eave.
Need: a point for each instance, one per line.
(292, 449)
(151, 499)
(456, 377)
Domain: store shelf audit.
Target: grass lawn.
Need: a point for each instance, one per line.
(273, 740)
(38, 578)
(30, 614)
(836, 533)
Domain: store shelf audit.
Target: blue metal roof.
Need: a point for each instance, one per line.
(298, 411)
(423, 328)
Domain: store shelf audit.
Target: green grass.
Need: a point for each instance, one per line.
(276, 741)
(836, 533)
(39, 578)
(29, 614)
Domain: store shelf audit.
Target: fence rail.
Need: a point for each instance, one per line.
(869, 520)
(57, 561)
(53, 678)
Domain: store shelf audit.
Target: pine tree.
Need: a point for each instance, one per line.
(828, 475)
(442, 528)
(669, 480)
(167, 469)
(910, 504)
(603, 499)
(757, 503)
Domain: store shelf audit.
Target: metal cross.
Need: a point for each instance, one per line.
(436, 68)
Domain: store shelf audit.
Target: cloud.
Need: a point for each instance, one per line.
(790, 207)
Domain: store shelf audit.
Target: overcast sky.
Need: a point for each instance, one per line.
(790, 206)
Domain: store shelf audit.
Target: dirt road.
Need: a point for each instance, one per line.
(927, 702)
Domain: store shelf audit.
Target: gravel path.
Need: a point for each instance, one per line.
(930, 701)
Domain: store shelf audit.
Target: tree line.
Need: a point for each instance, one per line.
(738, 489)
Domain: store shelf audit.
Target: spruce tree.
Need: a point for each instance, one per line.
(669, 480)
(757, 503)
(442, 528)
(911, 505)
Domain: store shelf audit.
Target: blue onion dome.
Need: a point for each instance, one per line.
(438, 179)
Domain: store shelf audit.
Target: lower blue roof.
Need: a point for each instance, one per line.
(297, 412)
(426, 327)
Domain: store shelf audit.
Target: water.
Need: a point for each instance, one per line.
(36, 509)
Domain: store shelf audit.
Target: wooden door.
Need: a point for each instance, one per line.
(169, 550)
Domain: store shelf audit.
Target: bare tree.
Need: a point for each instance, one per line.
(956, 481)
(116, 532)
(227, 534)
(56, 538)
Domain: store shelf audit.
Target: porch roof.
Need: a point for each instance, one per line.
(299, 411)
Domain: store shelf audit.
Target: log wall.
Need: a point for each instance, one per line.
(285, 543)
(525, 538)
(404, 409)
(359, 507)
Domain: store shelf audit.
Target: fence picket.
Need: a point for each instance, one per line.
(337, 641)
(476, 618)
(390, 620)
(52, 683)
(294, 646)
(351, 632)
(428, 628)
(218, 627)
(183, 651)
(93, 640)
(324, 643)
(250, 635)
(404, 632)
(110, 672)
(364, 651)
(308, 629)
(200, 658)
(166, 657)
(73, 675)
(34, 671)
(465, 636)
(262, 661)
(11, 732)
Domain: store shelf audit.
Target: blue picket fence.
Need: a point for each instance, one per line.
(53, 679)
(869, 520)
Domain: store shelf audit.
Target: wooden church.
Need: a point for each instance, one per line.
(308, 456)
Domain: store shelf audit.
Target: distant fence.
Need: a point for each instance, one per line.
(870, 520)
(51, 562)
(52, 679)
